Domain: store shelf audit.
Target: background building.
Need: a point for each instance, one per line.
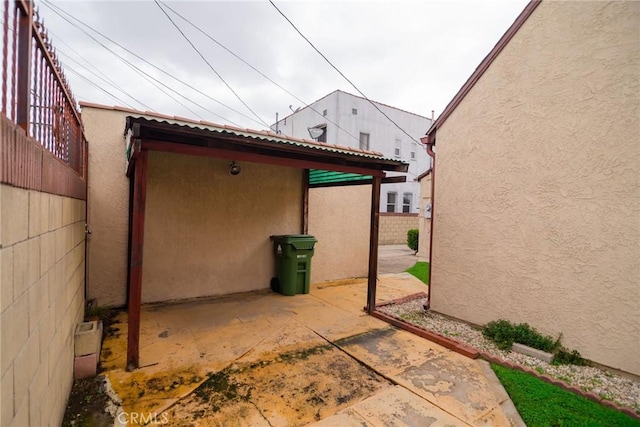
(351, 121)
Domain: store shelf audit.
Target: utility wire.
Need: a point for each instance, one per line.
(115, 86)
(208, 63)
(257, 70)
(68, 68)
(93, 69)
(340, 72)
(61, 12)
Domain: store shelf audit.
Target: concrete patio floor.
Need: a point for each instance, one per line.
(263, 359)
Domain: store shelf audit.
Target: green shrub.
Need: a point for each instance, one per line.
(566, 357)
(504, 333)
(412, 239)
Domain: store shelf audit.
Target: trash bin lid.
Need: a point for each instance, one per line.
(298, 241)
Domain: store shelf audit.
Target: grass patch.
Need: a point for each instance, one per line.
(543, 404)
(420, 270)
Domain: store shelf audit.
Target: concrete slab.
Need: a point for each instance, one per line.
(265, 359)
(395, 406)
(395, 258)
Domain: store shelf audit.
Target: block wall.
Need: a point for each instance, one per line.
(394, 227)
(42, 248)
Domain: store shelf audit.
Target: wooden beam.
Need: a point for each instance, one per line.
(373, 244)
(195, 150)
(135, 263)
(385, 180)
(305, 201)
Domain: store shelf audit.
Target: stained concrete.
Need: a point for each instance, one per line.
(265, 359)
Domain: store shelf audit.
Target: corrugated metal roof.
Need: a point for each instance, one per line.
(271, 137)
(262, 135)
(317, 176)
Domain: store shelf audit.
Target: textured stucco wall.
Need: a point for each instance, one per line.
(538, 184)
(108, 206)
(207, 232)
(339, 218)
(41, 302)
(424, 239)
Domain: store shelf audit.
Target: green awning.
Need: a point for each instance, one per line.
(317, 177)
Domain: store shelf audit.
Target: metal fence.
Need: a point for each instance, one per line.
(35, 92)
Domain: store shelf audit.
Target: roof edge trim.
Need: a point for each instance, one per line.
(485, 64)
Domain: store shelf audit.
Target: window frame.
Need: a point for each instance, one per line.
(368, 145)
(407, 205)
(395, 201)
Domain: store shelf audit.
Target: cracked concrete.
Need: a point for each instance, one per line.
(263, 359)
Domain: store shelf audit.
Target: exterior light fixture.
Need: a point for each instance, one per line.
(234, 168)
(315, 133)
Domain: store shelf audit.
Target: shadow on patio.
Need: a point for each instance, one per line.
(265, 359)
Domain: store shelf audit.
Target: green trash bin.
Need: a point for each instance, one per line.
(293, 263)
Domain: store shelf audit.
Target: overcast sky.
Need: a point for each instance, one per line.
(413, 55)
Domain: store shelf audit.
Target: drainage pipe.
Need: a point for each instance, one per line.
(430, 142)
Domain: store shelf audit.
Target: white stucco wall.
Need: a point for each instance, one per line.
(383, 135)
(537, 200)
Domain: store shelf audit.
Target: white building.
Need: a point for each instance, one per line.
(349, 120)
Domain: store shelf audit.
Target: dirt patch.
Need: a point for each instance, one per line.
(87, 403)
(294, 388)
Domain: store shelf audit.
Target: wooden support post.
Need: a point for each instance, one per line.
(305, 201)
(135, 263)
(373, 244)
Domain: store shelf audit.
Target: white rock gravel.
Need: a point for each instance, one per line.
(607, 385)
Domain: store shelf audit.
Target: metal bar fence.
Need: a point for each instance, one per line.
(35, 92)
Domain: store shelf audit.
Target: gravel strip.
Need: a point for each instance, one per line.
(609, 386)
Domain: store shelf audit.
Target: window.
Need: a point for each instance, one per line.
(391, 202)
(406, 202)
(364, 141)
(413, 150)
(323, 137)
(324, 112)
(354, 111)
(397, 152)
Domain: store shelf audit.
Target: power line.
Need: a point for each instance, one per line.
(68, 68)
(208, 63)
(59, 11)
(114, 85)
(257, 71)
(340, 72)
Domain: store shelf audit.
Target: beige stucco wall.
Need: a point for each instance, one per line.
(339, 218)
(207, 232)
(41, 302)
(394, 227)
(424, 242)
(108, 206)
(538, 187)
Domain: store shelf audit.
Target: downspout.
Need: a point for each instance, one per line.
(430, 142)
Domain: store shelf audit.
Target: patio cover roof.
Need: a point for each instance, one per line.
(148, 131)
(210, 139)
